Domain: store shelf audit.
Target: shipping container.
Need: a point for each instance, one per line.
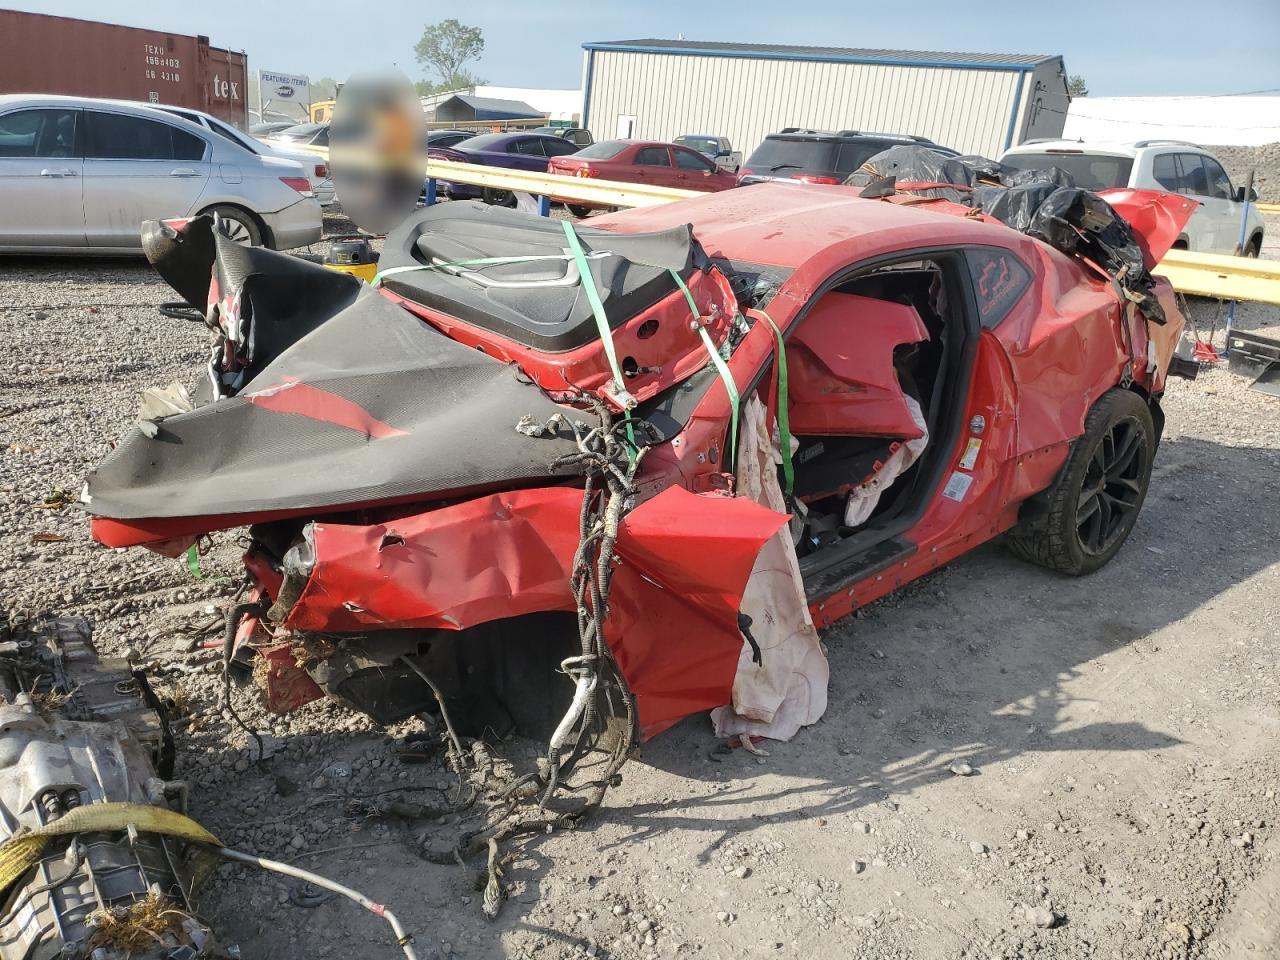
(84, 58)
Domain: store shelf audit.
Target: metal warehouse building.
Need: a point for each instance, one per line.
(973, 102)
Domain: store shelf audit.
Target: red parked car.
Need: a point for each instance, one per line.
(409, 460)
(642, 161)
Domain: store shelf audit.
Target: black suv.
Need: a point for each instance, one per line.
(820, 156)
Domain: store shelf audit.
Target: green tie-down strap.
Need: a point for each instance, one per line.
(593, 298)
(722, 368)
(784, 418)
(623, 398)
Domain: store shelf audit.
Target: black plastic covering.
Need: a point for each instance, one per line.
(282, 298)
(182, 256)
(925, 172)
(1045, 204)
(549, 317)
(350, 399)
(451, 412)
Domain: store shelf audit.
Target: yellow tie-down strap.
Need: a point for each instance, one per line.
(23, 851)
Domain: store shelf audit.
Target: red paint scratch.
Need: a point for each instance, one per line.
(302, 399)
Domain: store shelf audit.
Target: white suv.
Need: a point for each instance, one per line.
(1170, 165)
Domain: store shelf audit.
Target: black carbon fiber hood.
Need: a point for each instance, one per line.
(371, 405)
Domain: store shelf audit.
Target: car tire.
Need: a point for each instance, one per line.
(1094, 503)
(499, 198)
(579, 211)
(1253, 248)
(240, 226)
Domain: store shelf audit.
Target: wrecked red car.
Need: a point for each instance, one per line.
(421, 464)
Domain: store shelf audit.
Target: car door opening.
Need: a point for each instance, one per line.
(878, 373)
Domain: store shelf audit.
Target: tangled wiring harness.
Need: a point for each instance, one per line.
(599, 728)
(609, 458)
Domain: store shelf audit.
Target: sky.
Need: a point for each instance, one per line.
(1133, 48)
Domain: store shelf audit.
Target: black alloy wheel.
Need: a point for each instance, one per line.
(1113, 488)
(1084, 518)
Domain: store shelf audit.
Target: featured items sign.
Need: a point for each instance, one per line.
(283, 86)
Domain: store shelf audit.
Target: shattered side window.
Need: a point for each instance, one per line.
(999, 281)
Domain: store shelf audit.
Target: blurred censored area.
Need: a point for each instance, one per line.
(377, 149)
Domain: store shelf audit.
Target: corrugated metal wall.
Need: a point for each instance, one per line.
(745, 99)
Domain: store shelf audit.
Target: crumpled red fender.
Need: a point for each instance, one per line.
(682, 562)
(1156, 218)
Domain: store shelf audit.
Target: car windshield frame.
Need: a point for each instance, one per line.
(1073, 164)
(445, 140)
(602, 150)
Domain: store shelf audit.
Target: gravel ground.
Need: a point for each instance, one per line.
(1123, 730)
(1271, 237)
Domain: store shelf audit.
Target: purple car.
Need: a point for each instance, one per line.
(518, 151)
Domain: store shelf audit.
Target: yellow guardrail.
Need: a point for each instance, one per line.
(609, 193)
(1273, 208)
(1198, 274)
(585, 189)
(1228, 278)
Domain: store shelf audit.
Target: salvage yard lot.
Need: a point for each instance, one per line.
(1123, 729)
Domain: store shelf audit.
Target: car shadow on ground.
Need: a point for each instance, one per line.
(973, 662)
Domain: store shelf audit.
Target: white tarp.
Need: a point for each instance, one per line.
(1215, 121)
(863, 499)
(788, 689)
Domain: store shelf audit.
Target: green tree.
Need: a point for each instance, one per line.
(459, 81)
(326, 88)
(445, 48)
(1077, 87)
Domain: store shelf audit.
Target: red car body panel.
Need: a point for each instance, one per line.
(624, 168)
(1065, 338)
(683, 561)
(844, 382)
(1157, 218)
(664, 347)
(1034, 377)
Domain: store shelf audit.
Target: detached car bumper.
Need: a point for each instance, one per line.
(297, 225)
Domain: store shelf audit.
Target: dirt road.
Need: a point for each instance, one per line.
(1123, 730)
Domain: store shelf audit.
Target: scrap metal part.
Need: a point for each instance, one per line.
(74, 731)
(1256, 357)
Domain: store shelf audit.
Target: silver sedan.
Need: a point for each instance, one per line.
(79, 175)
